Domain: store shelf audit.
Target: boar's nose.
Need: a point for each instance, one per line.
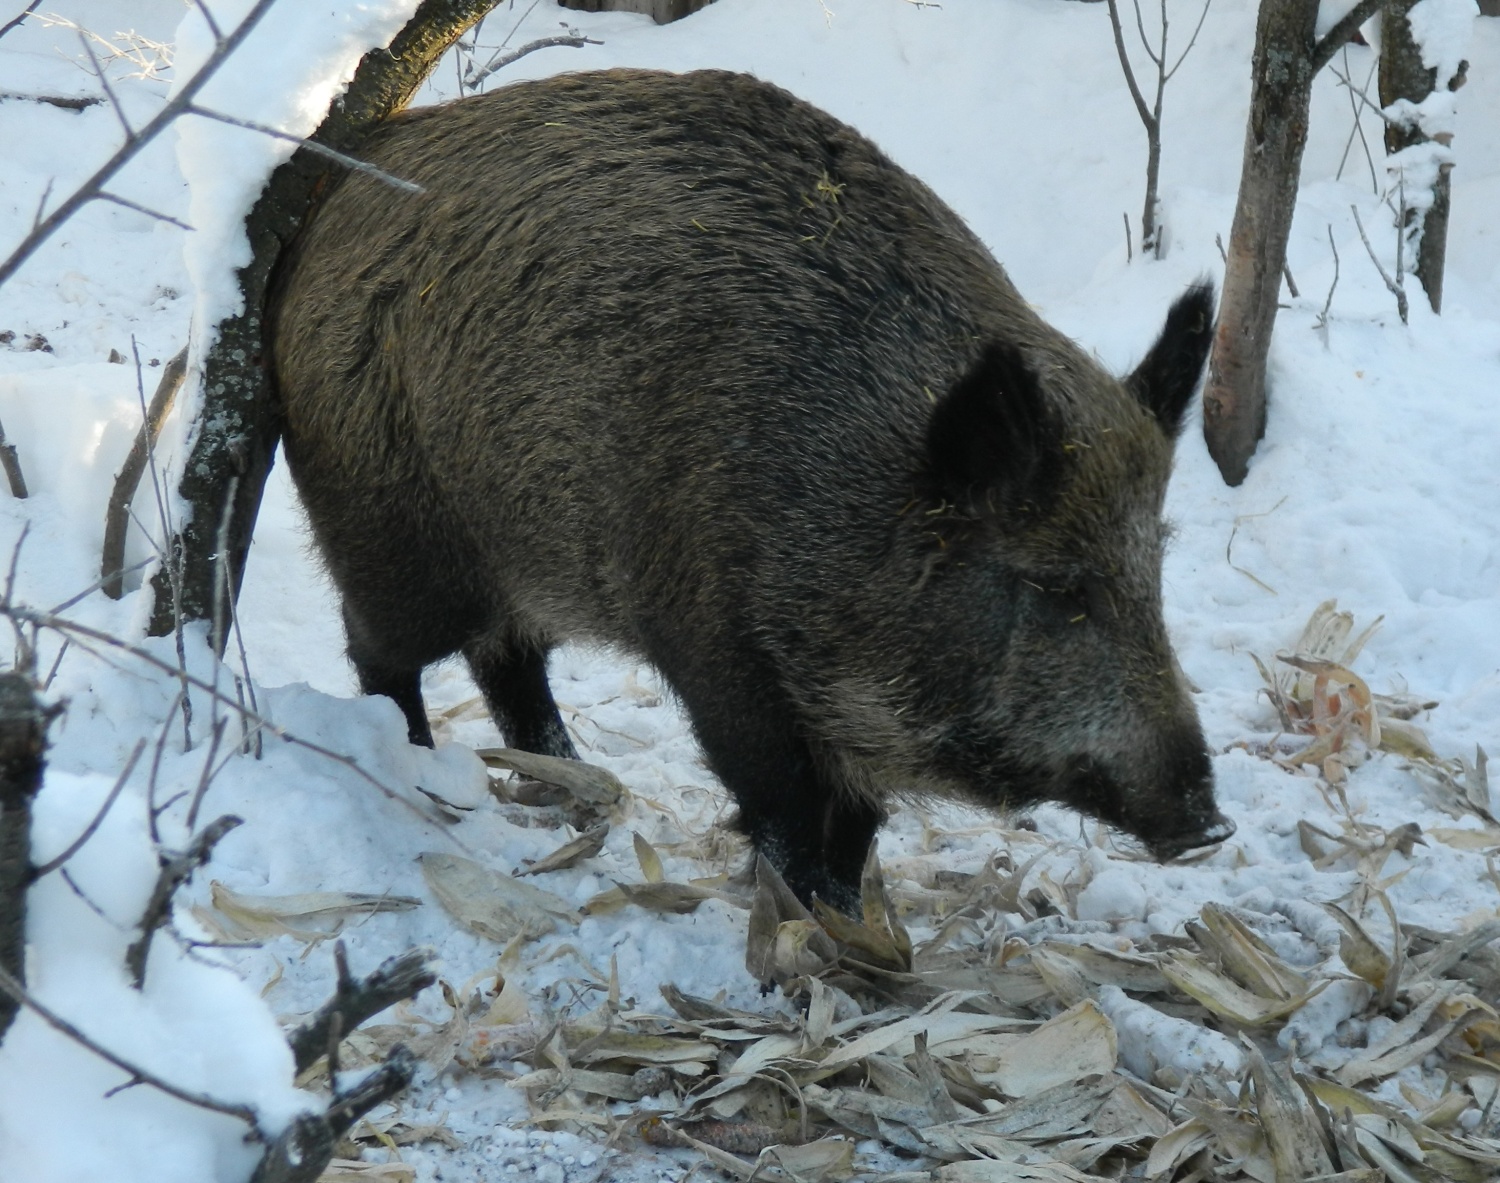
(1218, 829)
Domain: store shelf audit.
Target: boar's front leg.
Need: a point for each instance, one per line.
(513, 679)
(812, 831)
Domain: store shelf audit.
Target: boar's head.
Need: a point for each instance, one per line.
(1045, 483)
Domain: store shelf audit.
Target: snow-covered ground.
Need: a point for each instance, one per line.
(1376, 484)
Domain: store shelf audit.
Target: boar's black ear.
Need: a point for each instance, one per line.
(992, 440)
(1168, 375)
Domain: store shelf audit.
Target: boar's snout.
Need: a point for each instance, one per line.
(1217, 829)
(1163, 796)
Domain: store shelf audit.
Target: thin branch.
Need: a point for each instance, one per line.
(1342, 32)
(306, 1146)
(88, 902)
(501, 60)
(1193, 40)
(1359, 128)
(109, 91)
(169, 561)
(1322, 321)
(397, 979)
(209, 772)
(1363, 98)
(127, 151)
(1135, 90)
(152, 811)
(62, 651)
(16, 20)
(1140, 26)
(116, 199)
(1391, 284)
(18, 992)
(208, 18)
(313, 146)
(175, 871)
(78, 843)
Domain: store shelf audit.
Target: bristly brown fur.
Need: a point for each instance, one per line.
(681, 364)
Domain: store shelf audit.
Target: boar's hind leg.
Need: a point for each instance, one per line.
(379, 675)
(514, 683)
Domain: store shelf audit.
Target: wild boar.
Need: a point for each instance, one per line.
(682, 365)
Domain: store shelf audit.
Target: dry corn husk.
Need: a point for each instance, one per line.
(288, 915)
(586, 782)
(491, 904)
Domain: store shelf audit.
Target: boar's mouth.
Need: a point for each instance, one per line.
(1218, 829)
(1191, 821)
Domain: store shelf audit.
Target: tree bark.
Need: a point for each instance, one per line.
(1234, 400)
(23, 739)
(231, 458)
(1403, 76)
(1287, 56)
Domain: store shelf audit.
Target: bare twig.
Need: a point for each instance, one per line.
(116, 199)
(19, 17)
(62, 651)
(1192, 41)
(501, 60)
(1135, 90)
(1322, 321)
(153, 811)
(78, 843)
(353, 1002)
(14, 989)
(206, 777)
(117, 515)
(1151, 117)
(1391, 285)
(313, 146)
(1358, 95)
(176, 870)
(305, 1148)
(109, 91)
(1358, 128)
(91, 188)
(169, 559)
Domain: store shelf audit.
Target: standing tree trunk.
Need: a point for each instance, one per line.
(1287, 56)
(1403, 76)
(231, 458)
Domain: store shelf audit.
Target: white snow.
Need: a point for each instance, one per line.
(1375, 484)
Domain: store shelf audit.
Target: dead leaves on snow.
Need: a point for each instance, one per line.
(1317, 695)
